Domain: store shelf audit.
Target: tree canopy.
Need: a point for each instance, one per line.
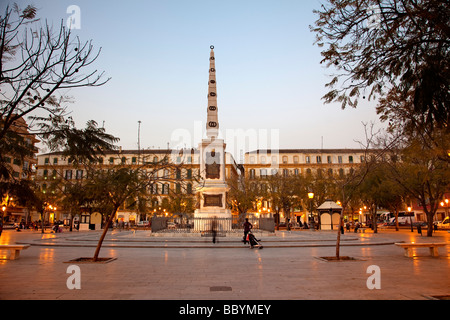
(394, 49)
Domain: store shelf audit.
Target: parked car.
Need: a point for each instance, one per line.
(420, 223)
(171, 225)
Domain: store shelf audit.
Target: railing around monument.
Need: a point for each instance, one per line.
(201, 225)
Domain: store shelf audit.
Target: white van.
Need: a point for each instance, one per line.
(444, 224)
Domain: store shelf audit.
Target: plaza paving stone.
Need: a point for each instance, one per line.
(193, 268)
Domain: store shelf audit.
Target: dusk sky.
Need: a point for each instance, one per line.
(269, 77)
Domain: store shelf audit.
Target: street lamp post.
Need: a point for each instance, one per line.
(445, 205)
(311, 196)
(410, 218)
(1, 219)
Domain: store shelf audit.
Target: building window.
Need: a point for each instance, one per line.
(350, 159)
(252, 173)
(295, 159)
(68, 174)
(189, 173)
(111, 160)
(362, 159)
(341, 173)
(189, 188)
(46, 160)
(263, 172)
(55, 160)
(45, 174)
(308, 159)
(285, 172)
(285, 159)
(133, 160)
(178, 188)
(329, 159)
(318, 159)
(79, 174)
(339, 159)
(296, 172)
(165, 188)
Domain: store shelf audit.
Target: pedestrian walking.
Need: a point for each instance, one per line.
(214, 230)
(247, 227)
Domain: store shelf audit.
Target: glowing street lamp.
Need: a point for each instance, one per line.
(311, 196)
(445, 204)
(410, 218)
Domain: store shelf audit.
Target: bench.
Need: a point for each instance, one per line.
(409, 246)
(14, 250)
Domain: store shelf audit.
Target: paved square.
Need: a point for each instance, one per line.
(193, 268)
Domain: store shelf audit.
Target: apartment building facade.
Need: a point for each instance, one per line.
(261, 163)
(177, 178)
(20, 168)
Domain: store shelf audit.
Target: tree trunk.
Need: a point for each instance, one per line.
(42, 221)
(374, 220)
(338, 240)
(105, 230)
(71, 221)
(429, 224)
(396, 220)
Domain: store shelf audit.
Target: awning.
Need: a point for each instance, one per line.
(329, 205)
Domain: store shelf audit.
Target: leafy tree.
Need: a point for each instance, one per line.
(243, 194)
(114, 186)
(422, 174)
(35, 64)
(371, 191)
(397, 49)
(111, 188)
(283, 192)
(390, 194)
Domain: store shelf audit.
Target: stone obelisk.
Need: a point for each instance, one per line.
(213, 189)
